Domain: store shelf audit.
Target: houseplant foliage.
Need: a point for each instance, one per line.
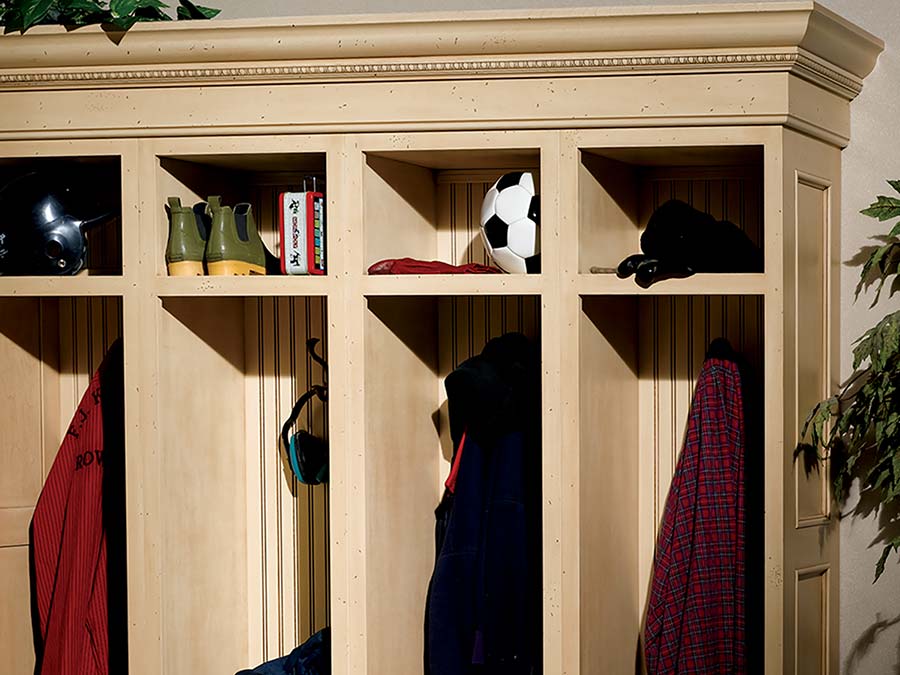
(858, 428)
(20, 15)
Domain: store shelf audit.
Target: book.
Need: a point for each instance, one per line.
(301, 222)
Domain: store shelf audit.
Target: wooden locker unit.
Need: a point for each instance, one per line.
(407, 120)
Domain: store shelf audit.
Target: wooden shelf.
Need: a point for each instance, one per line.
(699, 284)
(241, 286)
(61, 286)
(453, 284)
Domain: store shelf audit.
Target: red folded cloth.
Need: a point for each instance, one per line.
(413, 266)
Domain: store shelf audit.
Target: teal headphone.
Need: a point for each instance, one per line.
(307, 454)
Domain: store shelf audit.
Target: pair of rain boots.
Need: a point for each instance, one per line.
(223, 239)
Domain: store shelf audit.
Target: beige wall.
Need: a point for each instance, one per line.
(870, 615)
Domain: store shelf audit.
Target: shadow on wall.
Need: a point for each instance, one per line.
(864, 643)
(888, 526)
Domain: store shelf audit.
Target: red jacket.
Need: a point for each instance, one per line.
(696, 612)
(69, 537)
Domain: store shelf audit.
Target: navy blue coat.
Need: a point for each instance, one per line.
(484, 601)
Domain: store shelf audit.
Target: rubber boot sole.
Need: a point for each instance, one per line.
(235, 268)
(185, 268)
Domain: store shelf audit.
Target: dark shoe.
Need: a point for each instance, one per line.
(650, 271)
(629, 266)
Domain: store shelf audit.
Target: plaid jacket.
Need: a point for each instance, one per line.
(695, 614)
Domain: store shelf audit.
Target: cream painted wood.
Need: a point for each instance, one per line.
(609, 460)
(204, 467)
(741, 108)
(234, 483)
(23, 457)
(812, 262)
(15, 619)
(49, 347)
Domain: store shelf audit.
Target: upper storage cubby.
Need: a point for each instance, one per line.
(427, 204)
(620, 188)
(251, 185)
(87, 190)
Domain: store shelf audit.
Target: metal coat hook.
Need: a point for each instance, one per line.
(320, 389)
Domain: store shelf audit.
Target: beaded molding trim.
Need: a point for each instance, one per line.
(835, 80)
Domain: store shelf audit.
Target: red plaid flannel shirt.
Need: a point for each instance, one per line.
(695, 615)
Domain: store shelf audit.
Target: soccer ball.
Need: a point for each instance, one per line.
(510, 224)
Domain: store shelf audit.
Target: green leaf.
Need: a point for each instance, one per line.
(80, 5)
(883, 208)
(80, 12)
(188, 10)
(885, 259)
(34, 12)
(122, 8)
(122, 23)
(894, 184)
(12, 21)
(886, 551)
(151, 14)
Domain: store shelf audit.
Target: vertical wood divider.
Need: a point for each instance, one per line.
(569, 437)
(346, 313)
(142, 469)
(554, 451)
(775, 396)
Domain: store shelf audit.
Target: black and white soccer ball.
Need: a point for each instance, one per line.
(510, 224)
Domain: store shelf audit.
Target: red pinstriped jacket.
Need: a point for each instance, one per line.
(70, 543)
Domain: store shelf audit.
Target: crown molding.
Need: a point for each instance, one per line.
(800, 37)
(802, 64)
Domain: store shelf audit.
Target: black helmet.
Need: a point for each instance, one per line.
(42, 225)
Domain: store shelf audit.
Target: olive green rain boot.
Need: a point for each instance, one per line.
(188, 231)
(234, 246)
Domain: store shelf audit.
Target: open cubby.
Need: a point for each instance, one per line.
(50, 348)
(426, 204)
(245, 547)
(639, 360)
(96, 183)
(254, 178)
(619, 188)
(412, 344)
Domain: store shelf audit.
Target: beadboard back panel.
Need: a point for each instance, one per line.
(288, 530)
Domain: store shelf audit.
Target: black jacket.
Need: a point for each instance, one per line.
(484, 600)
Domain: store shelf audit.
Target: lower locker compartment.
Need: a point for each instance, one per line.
(412, 344)
(639, 361)
(245, 557)
(49, 350)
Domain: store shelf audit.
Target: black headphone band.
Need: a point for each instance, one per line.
(317, 390)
